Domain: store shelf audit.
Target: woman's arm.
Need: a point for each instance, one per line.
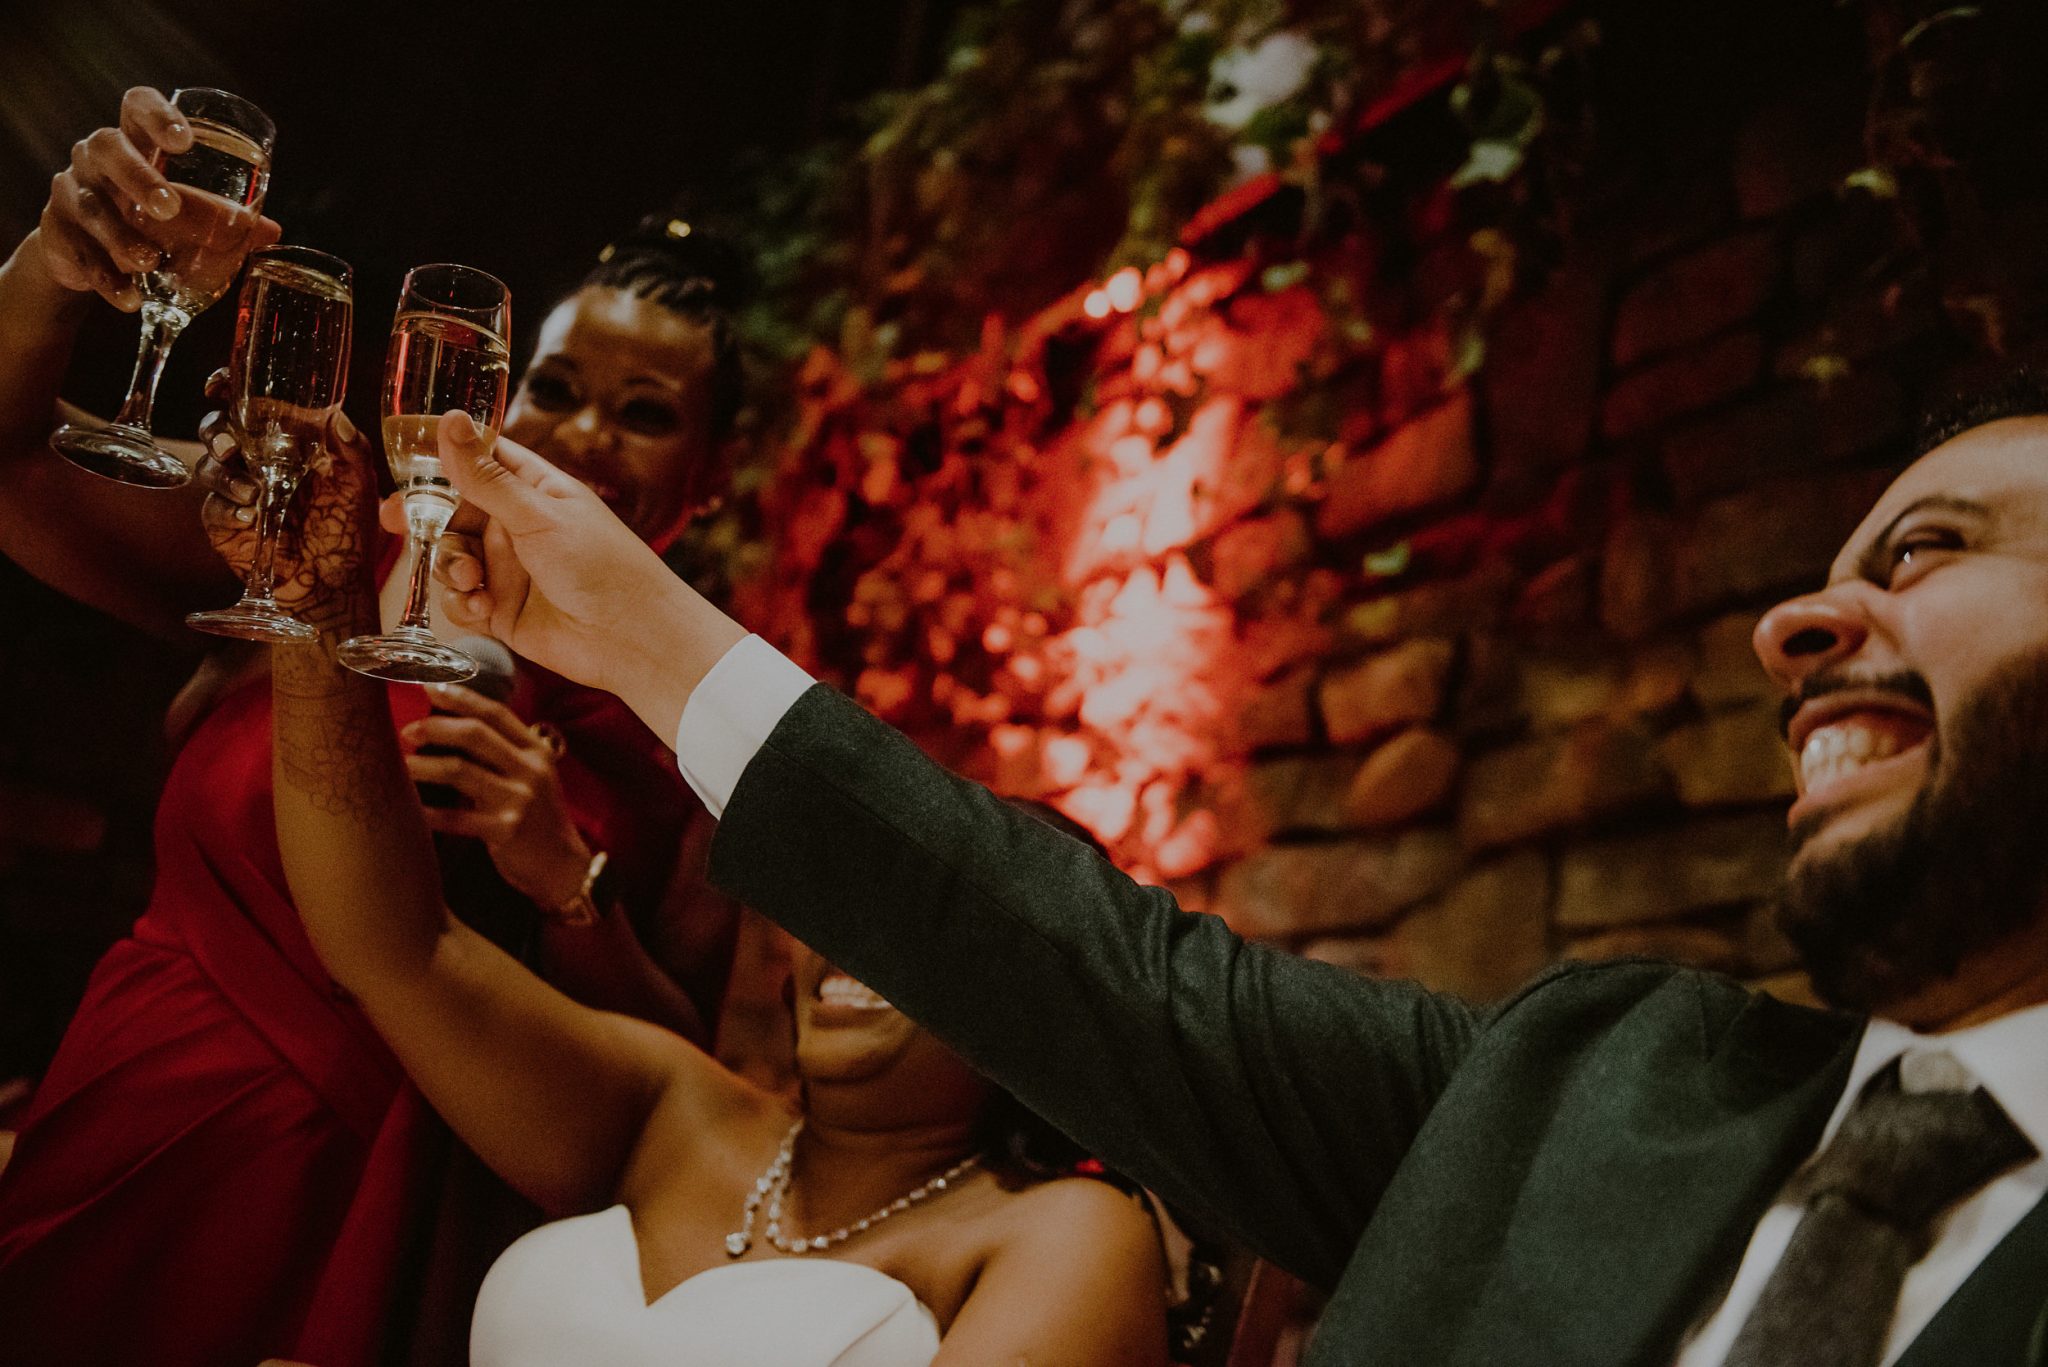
(518, 801)
(1082, 1283)
(1272, 1097)
(551, 1095)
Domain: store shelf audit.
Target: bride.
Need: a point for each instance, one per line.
(892, 1217)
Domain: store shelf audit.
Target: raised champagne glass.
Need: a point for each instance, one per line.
(448, 350)
(221, 182)
(289, 373)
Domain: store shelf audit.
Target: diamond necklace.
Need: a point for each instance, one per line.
(773, 1185)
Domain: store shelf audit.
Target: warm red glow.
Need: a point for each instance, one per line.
(1125, 288)
(1109, 676)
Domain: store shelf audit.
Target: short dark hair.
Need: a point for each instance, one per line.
(693, 273)
(2020, 391)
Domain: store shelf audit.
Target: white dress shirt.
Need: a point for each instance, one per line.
(2009, 1059)
(745, 694)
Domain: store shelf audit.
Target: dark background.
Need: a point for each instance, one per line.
(517, 138)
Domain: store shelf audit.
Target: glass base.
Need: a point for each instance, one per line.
(120, 452)
(253, 622)
(408, 655)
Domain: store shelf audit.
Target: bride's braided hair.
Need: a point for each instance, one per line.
(694, 274)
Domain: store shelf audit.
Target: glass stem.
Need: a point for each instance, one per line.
(160, 328)
(415, 618)
(273, 496)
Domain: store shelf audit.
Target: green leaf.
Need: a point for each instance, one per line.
(1385, 564)
(1489, 161)
(1932, 21)
(1824, 368)
(1875, 181)
(1468, 354)
(1283, 276)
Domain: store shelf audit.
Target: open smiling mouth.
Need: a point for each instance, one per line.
(837, 989)
(1849, 749)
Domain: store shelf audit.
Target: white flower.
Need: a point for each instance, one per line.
(1244, 80)
(1247, 163)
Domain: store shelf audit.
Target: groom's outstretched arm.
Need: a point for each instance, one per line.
(1272, 1094)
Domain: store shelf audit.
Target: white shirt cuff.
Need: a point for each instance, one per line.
(729, 715)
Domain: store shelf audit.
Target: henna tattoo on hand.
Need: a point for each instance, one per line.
(323, 546)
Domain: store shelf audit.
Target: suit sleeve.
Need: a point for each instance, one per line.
(1268, 1094)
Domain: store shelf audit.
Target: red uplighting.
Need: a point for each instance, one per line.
(1125, 288)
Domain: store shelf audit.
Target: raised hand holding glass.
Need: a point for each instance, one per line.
(222, 179)
(290, 370)
(449, 349)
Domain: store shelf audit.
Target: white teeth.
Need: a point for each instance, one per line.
(1835, 750)
(840, 990)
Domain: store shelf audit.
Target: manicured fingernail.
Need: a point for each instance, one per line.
(162, 203)
(127, 299)
(464, 428)
(412, 732)
(344, 430)
(178, 128)
(242, 488)
(245, 515)
(220, 443)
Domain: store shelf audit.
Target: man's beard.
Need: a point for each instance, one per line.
(1961, 871)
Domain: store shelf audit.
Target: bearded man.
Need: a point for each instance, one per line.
(1628, 1163)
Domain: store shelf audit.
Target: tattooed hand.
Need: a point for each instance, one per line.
(323, 550)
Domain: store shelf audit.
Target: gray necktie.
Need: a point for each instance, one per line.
(1873, 1196)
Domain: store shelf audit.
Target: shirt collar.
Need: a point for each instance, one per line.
(2008, 1056)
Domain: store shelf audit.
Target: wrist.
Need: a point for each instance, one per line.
(340, 614)
(585, 904)
(560, 881)
(657, 668)
(28, 271)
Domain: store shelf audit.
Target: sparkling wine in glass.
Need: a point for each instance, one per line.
(290, 369)
(221, 181)
(448, 350)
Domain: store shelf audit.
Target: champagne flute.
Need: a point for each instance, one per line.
(448, 350)
(290, 370)
(221, 182)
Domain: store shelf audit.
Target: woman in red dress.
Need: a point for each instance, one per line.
(224, 1163)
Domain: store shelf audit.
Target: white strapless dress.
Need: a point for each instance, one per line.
(569, 1295)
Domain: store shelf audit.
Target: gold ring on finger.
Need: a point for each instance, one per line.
(550, 737)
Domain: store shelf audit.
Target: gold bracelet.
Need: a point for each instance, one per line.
(582, 909)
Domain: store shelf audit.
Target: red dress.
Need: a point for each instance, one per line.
(224, 1162)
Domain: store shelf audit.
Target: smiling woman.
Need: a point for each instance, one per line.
(636, 377)
(673, 1175)
(214, 1088)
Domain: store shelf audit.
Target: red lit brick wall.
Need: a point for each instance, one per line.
(1449, 678)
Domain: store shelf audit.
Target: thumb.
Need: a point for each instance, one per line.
(514, 486)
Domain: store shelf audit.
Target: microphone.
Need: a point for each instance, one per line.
(497, 674)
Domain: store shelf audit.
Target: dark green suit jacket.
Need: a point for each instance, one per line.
(1568, 1179)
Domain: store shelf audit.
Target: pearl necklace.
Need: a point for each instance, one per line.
(773, 1185)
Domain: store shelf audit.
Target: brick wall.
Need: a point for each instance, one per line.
(1455, 680)
(1572, 752)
